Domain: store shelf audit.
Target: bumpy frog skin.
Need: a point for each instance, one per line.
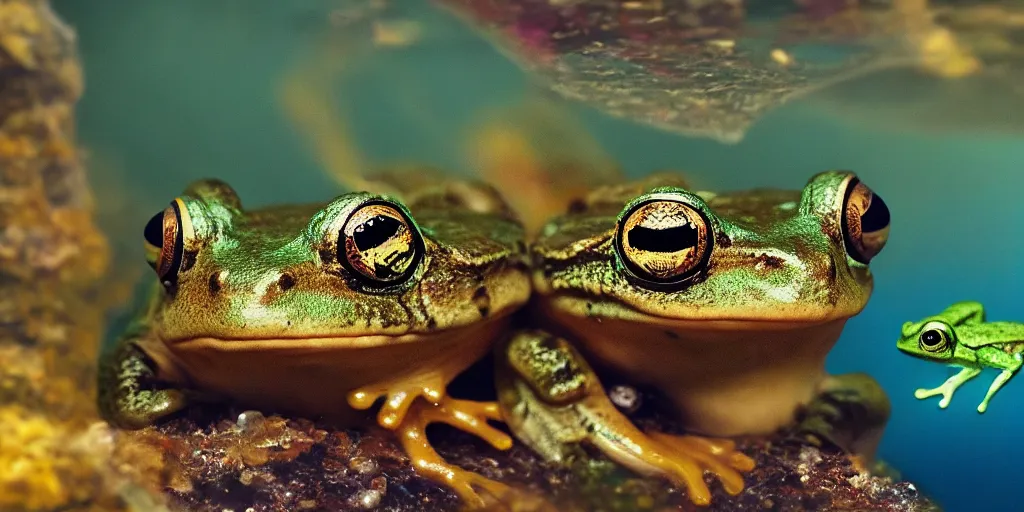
(960, 337)
(321, 310)
(728, 303)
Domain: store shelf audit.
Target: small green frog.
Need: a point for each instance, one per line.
(960, 337)
(322, 309)
(727, 303)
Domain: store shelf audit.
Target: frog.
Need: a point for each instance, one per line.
(726, 303)
(321, 310)
(960, 336)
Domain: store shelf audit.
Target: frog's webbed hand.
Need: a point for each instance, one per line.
(476, 491)
(551, 398)
(850, 411)
(130, 393)
(401, 396)
(1009, 363)
(947, 388)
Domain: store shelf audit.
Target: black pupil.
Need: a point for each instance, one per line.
(663, 240)
(931, 338)
(375, 231)
(877, 216)
(154, 232)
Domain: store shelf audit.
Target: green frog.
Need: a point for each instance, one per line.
(727, 303)
(960, 336)
(321, 310)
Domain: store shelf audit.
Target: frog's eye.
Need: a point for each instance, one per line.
(865, 222)
(379, 242)
(664, 241)
(164, 241)
(935, 338)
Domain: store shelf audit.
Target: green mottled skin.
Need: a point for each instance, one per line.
(250, 275)
(778, 286)
(783, 258)
(972, 344)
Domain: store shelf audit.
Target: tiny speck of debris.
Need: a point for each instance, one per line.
(249, 420)
(367, 499)
(363, 465)
(396, 33)
(625, 398)
(781, 57)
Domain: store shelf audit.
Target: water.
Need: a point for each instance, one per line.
(175, 93)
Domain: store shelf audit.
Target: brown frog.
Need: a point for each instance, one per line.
(321, 310)
(726, 303)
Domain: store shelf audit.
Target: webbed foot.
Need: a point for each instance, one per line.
(469, 416)
(131, 397)
(476, 491)
(552, 400)
(849, 412)
(718, 456)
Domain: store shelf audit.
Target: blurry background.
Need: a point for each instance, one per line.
(177, 91)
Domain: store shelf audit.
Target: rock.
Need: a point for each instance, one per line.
(53, 453)
(212, 460)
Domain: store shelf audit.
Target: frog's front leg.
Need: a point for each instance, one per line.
(476, 491)
(552, 400)
(408, 416)
(1009, 363)
(849, 411)
(130, 394)
(947, 388)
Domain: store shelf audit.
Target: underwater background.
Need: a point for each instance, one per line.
(184, 90)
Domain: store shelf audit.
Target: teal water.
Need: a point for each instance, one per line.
(179, 91)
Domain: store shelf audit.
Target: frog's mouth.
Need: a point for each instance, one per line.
(303, 342)
(707, 318)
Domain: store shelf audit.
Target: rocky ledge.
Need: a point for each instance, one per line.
(239, 460)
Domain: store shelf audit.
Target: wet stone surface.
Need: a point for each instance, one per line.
(214, 460)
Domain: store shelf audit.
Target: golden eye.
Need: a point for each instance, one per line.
(664, 241)
(935, 338)
(865, 222)
(164, 241)
(380, 243)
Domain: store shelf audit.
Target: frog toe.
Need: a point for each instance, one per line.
(399, 397)
(471, 417)
(719, 456)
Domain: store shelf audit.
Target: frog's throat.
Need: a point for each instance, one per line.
(313, 376)
(722, 380)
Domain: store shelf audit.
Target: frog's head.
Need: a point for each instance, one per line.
(742, 259)
(933, 339)
(358, 267)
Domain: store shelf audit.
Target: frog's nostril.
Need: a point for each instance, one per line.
(285, 282)
(215, 282)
